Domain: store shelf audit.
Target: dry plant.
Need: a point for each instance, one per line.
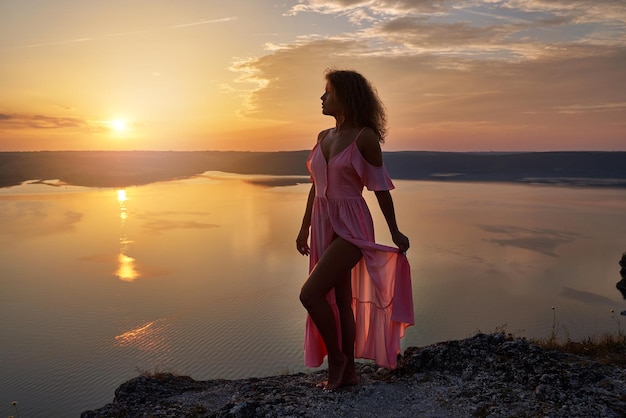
(608, 348)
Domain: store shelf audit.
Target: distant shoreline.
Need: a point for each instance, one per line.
(128, 168)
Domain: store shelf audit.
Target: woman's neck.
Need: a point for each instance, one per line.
(341, 124)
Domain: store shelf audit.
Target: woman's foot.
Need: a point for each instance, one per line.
(336, 369)
(322, 384)
(340, 373)
(350, 377)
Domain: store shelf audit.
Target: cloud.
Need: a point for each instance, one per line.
(126, 33)
(65, 42)
(289, 78)
(368, 9)
(434, 87)
(40, 121)
(204, 22)
(599, 107)
(514, 69)
(582, 11)
(22, 121)
(509, 30)
(607, 18)
(422, 35)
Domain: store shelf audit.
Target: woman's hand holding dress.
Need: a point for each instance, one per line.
(401, 240)
(302, 242)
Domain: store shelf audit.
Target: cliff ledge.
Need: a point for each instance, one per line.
(488, 375)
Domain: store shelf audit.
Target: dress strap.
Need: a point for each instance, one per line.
(359, 134)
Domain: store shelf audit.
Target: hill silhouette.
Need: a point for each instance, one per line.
(126, 168)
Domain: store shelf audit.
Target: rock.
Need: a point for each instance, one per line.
(491, 375)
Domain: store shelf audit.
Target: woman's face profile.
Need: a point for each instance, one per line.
(330, 105)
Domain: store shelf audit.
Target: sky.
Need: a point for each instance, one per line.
(493, 75)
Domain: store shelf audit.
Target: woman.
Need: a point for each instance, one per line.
(358, 293)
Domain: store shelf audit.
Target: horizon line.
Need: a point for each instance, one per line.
(308, 150)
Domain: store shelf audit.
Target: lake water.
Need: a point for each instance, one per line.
(201, 276)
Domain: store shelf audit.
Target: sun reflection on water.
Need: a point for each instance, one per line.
(126, 269)
(148, 337)
(134, 334)
(121, 195)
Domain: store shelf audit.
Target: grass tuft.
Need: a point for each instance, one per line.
(608, 348)
(158, 373)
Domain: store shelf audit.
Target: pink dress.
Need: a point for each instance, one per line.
(382, 299)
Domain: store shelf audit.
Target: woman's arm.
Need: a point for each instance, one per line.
(369, 146)
(386, 206)
(302, 242)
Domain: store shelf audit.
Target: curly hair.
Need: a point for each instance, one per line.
(360, 101)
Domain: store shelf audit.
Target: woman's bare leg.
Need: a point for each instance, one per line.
(343, 297)
(332, 269)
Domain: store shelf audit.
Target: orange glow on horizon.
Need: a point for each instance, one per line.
(163, 78)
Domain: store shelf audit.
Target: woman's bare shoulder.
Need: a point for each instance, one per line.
(322, 134)
(369, 146)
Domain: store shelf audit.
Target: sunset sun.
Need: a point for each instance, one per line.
(119, 125)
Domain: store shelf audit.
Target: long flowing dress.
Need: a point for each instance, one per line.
(382, 299)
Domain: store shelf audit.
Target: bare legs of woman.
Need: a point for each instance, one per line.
(333, 271)
(343, 298)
